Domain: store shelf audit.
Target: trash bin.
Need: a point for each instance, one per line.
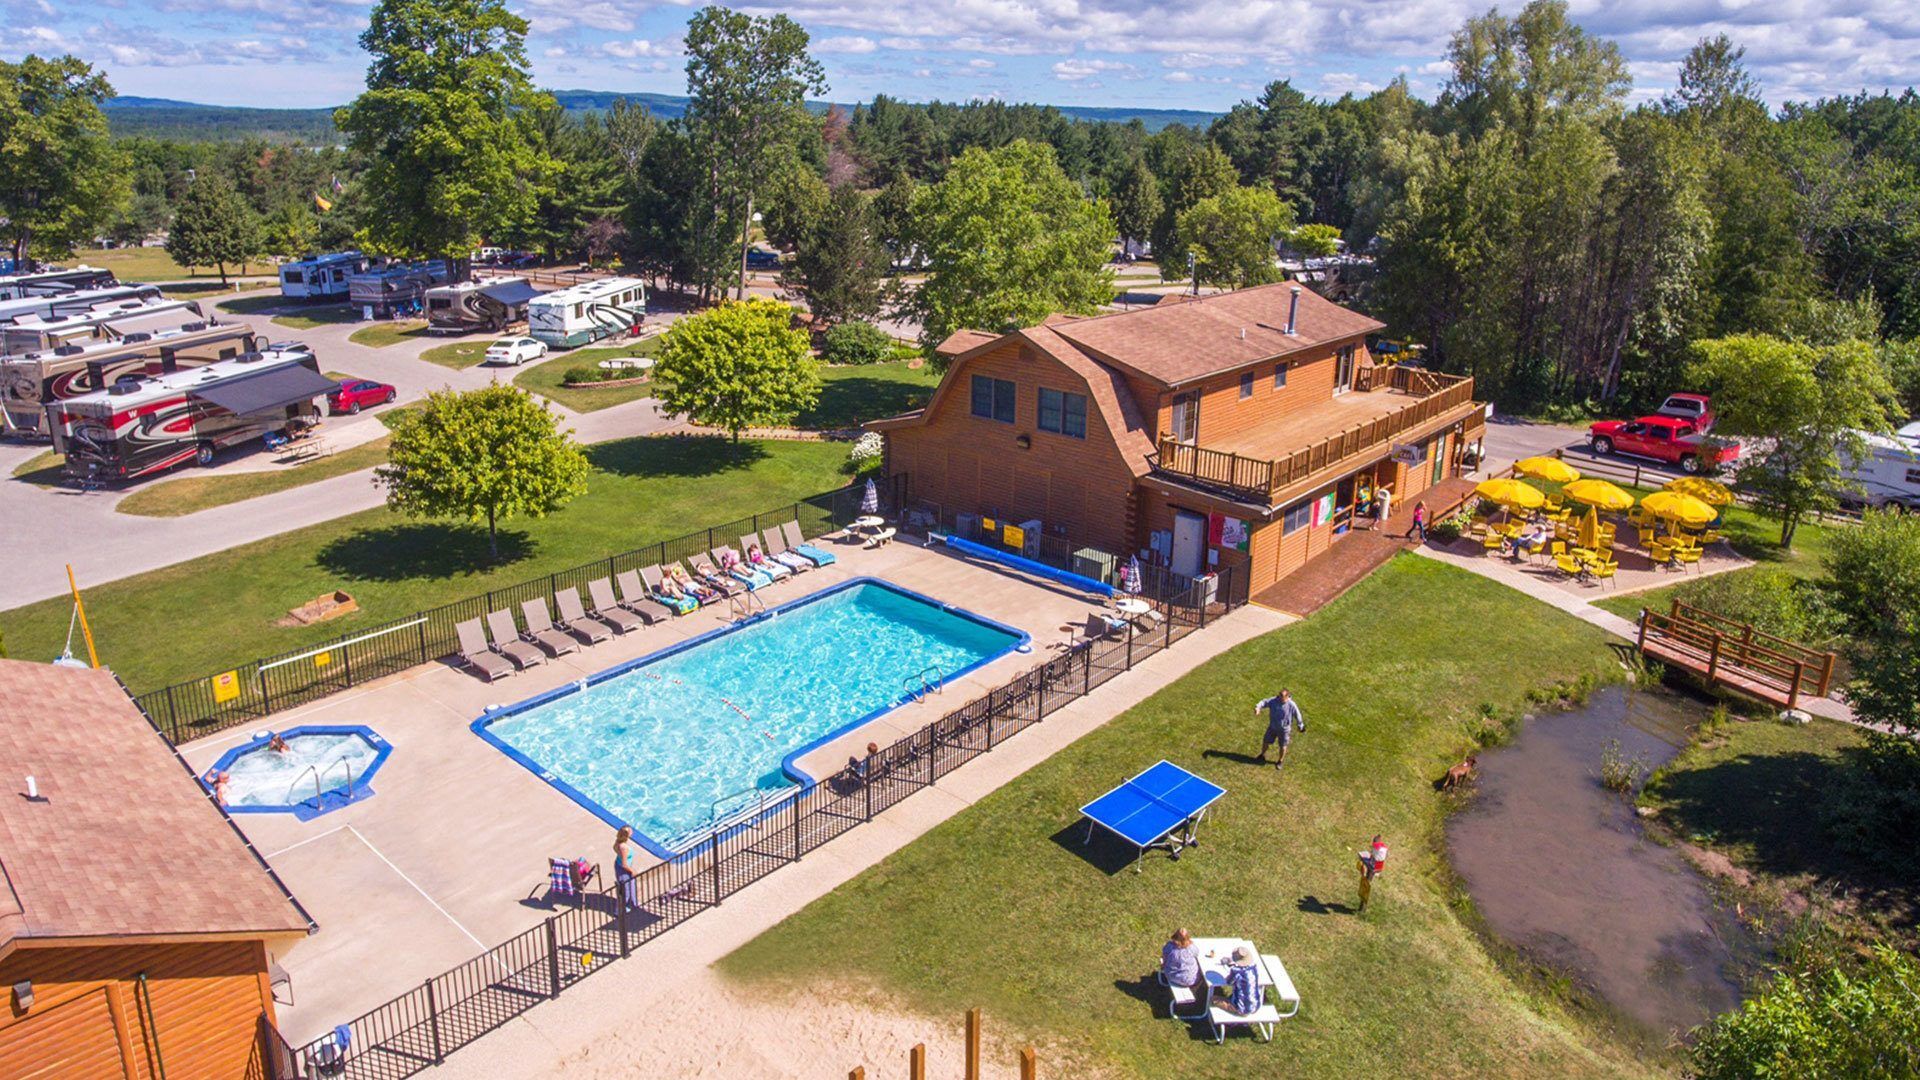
(1209, 587)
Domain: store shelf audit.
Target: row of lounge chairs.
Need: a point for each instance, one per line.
(652, 594)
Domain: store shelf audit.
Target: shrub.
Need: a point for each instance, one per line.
(580, 374)
(1618, 772)
(867, 451)
(1450, 529)
(856, 343)
(1770, 598)
(1831, 1020)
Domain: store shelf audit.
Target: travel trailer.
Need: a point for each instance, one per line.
(137, 427)
(55, 307)
(479, 305)
(1891, 477)
(320, 277)
(103, 322)
(54, 282)
(29, 383)
(395, 288)
(589, 311)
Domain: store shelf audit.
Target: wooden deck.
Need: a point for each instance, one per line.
(1328, 575)
(1736, 656)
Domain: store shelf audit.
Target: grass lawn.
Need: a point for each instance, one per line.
(42, 469)
(544, 377)
(458, 354)
(1003, 907)
(309, 318)
(259, 302)
(191, 494)
(154, 264)
(853, 394)
(379, 335)
(206, 614)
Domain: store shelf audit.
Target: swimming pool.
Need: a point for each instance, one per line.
(658, 742)
(309, 778)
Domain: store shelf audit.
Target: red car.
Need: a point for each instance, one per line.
(1663, 438)
(356, 394)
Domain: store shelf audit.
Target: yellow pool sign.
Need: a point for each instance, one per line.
(1014, 537)
(226, 686)
(321, 660)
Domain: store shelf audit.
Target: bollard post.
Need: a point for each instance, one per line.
(973, 1043)
(917, 1062)
(1029, 1065)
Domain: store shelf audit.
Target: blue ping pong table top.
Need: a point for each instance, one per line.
(1152, 804)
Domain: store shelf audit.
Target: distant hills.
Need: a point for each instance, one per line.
(164, 118)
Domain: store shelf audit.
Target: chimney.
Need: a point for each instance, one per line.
(1293, 310)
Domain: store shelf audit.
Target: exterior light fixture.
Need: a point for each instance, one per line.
(23, 995)
(1024, 442)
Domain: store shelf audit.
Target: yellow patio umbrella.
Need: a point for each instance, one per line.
(1511, 493)
(1590, 529)
(1598, 494)
(1707, 491)
(1684, 509)
(1550, 469)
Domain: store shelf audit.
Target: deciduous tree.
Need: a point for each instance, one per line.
(840, 263)
(739, 365)
(1007, 240)
(1232, 235)
(213, 226)
(60, 175)
(489, 455)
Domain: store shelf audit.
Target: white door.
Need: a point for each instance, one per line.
(1189, 543)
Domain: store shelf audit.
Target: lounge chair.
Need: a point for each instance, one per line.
(679, 602)
(767, 564)
(705, 572)
(506, 640)
(575, 620)
(797, 543)
(477, 654)
(609, 611)
(776, 550)
(731, 564)
(542, 632)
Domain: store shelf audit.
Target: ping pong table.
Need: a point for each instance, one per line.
(1148, 810)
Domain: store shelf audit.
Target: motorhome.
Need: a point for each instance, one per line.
(589, 311)
(394, 289)
(1891, 476)
(469, 306)
(29, 383)
(140, 426)
(54, 282)
(103, 322)
(54, 307)
(320, 277)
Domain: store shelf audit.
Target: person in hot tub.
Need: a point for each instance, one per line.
(218, 781)
(277, 744)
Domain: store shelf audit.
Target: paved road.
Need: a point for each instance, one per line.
(43, 530)
(1508, 440)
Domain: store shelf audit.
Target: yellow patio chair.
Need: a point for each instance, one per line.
(1639, 517)
(1554, 501)
(1605, 570)
(1566, 564)
(1711, 537)
(1493, 540)
(1660, 553)
(1687, 556)
(1606, 533)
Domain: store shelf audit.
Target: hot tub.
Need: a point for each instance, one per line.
(323, 768)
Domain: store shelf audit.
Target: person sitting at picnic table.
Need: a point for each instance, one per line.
(1241, 993)
(1180, 965)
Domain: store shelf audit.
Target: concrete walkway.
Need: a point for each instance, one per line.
(1573, 604)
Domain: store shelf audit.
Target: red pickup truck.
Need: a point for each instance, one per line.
(1663, 438)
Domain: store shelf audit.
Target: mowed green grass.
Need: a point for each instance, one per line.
(154, 264)
(544, 378)
(459, 354)
(379, 335)
(1004, 908)
(207, 614)
(853, 394)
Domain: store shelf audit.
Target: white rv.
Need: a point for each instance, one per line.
(54, 307)
(54, 282)
(1891, 477)
(589, 311)
(320, 277)
(103, 322)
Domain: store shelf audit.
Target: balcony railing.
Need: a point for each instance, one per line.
(1260, 480)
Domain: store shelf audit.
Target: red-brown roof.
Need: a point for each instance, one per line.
(122, 843)
(1109, 392)
(1181, 342)
(961, 341)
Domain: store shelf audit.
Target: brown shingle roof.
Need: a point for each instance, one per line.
(1109, 392)
(122, 843)
(961, 341)
(1177, 343)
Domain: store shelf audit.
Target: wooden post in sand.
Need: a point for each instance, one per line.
(859, 1073)
(1029, 1066)
(917, 1062)
(973, 1044)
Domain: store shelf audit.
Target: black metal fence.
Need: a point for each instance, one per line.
(421, 1027)
(257, 688)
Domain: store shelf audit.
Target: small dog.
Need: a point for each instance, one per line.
(1458, 774)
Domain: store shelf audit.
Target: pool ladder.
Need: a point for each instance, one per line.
(923, 682)
(740, 606)
(319, 781)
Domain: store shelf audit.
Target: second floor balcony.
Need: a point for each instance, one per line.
(1269, 463)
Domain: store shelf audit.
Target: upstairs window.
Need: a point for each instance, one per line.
(1063, 413)
(1279, 376)
(993, 398)
(1246, 385)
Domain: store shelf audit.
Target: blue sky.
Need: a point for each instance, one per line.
(1201, 54)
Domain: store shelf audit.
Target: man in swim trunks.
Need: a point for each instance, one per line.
(1283, 719)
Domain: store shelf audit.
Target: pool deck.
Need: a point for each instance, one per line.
(449, 856)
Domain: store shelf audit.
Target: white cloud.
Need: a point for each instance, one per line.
(847, 45)
(551, 16)
(1076, 69)
(1336, 83)
(642, 49)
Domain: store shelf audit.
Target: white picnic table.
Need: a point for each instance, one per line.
(1216, 955)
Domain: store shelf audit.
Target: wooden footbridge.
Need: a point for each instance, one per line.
(1735, 655)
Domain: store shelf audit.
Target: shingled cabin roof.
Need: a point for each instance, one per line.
(1178, 343)
(121, 843)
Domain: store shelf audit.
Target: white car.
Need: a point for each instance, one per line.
(515, 350)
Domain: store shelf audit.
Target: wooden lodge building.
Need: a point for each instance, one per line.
(1244, 429)
(135, 923)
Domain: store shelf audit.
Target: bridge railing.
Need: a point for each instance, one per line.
(1729, 652)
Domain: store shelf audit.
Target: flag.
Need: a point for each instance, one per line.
(323, 204)
(338, 187)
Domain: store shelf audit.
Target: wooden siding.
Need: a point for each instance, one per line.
(1224, 413)
(968, 464)
(89, 1021)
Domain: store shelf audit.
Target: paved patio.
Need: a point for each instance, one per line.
(449, 856)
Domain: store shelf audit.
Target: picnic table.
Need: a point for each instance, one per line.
(1216, 955)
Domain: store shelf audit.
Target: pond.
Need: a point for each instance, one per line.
(1561, 869)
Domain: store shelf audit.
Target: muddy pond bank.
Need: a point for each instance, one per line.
(1562, 870)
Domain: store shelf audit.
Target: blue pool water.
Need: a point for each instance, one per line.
(657, 742)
